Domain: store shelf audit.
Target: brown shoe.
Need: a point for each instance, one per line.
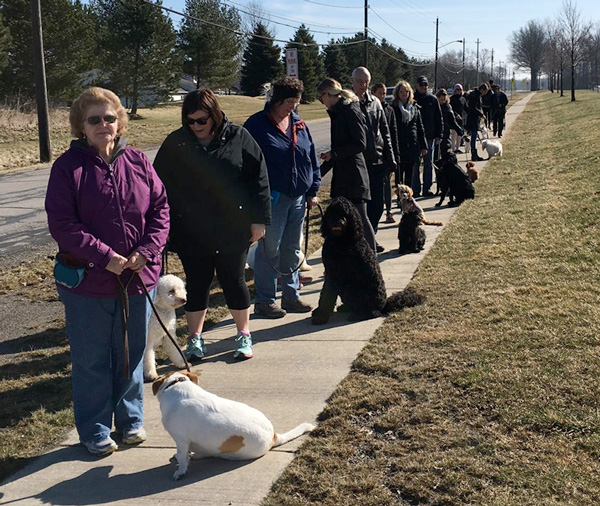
(267, 310)
(295, 306)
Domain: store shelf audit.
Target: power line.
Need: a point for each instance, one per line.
(399, 33)
(334, 6)
(398, 59)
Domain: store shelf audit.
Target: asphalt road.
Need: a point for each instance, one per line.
(23, 226)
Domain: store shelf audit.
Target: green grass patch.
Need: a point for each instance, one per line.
(488, 394)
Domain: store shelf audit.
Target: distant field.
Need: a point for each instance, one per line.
(19, 136)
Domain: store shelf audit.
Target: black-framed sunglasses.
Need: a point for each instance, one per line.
(200, 121)
(95, 120)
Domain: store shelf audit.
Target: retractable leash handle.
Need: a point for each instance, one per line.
(307, 227)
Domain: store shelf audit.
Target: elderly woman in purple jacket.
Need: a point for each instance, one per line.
(107, 210)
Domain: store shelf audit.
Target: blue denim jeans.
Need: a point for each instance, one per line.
(100, 390)
(280, 248)
(427, 170)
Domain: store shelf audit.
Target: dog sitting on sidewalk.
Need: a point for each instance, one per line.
(352, 271)
(170, 295)
(210, 426)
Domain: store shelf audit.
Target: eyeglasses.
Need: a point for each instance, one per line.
(320, 97)
(95, 120)
(200, 121)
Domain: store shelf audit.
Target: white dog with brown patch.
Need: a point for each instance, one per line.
(210, 426)
(170, 294)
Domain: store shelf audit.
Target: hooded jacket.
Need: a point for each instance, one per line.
(96, 209)
(348, 142)
(215, 193)
(292, 163)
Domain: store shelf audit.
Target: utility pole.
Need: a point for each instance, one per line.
(477, 81)
(437, 25)
(40, 81)
(463, 69)
(367, 33)
(492, 66)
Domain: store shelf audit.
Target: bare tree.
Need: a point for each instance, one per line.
(576, 34)
(527, 49)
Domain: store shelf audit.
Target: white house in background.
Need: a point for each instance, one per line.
(186, 84)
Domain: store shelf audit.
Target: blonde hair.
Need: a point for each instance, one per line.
(406, 85)
(331, 86)
(96, 96)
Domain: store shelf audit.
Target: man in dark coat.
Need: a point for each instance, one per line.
(431, 114)
(379, 154)
(502, 102)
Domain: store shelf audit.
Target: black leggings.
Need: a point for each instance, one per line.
(361, 207)
(200, 271)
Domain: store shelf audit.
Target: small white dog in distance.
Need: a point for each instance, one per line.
(170, 294)
(493, 148)
(210, 426)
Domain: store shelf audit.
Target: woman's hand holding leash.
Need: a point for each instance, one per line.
(136, 262)
(257, 230)
(116, 264)
(312, 202)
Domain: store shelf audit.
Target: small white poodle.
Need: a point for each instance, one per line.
(492, 147)
(170, 294)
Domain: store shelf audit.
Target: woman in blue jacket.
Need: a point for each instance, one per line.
(294, 179)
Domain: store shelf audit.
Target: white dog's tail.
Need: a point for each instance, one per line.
(281, 439)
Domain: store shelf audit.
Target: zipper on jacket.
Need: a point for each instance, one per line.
(111, 172)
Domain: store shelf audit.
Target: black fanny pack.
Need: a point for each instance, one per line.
(68, 271)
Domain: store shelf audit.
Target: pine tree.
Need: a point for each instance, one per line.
(261, 61)
(211, 54)
(310, 62)
(139, 44)
(393, 69)
(70, 45)
(5, 45)
(336, 65)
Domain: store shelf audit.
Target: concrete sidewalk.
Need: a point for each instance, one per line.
(295, 369)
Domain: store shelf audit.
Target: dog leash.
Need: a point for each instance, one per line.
(306, 224)
(124, 305)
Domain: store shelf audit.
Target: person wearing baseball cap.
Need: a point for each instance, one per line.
(431, 114)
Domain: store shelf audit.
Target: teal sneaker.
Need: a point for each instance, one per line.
(195, 347)
(244, 346)
(100, 448)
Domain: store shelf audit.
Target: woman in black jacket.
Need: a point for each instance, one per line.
(412, 143)
(474, 115)
(449, 121)
(218, 191)
(348, 143)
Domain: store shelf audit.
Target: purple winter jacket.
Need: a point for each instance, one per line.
(97, 209)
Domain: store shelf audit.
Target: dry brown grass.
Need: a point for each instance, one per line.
(488, 394)
(19, 135)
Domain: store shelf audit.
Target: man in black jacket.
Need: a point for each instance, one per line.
(431, 114)
(379, 154)
(502, 102)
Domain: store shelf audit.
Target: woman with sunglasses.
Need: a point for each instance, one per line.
(216, 179)
(107, 210)
(348, 143)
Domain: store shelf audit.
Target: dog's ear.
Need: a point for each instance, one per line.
(194, 378)
(158, 382)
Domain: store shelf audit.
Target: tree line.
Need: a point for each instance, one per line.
(133, 47)
(565, 49)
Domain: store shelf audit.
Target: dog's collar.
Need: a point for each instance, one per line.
(179, 379)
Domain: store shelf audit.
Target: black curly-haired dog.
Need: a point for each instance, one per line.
(352, 271)
(453, 179)
(411, 235)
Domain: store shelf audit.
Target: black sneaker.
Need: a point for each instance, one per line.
(379, 248)
(295, 306)
(268, 310)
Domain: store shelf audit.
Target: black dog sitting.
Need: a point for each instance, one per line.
(351, 270)
(411, 234)
(452, 178)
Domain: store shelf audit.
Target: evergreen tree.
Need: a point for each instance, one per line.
(392, 69)
(310, 62)
(70, 45)
(211, 54)
(261, 61)
(336, 65)
(5, 45)
(139, 44)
